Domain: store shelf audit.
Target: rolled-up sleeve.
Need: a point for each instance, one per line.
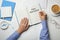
(14, 36)
(44, 35)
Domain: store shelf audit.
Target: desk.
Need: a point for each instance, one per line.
(54, 30)
(33, 33)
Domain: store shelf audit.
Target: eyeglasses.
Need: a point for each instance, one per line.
(57, 25)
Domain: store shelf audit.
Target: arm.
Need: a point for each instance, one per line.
(14, 36)
(44, 35)
(23, 27)
(44, 32)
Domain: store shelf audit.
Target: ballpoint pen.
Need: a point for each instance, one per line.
(34, 24)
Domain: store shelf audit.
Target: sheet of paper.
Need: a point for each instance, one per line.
(43, 3)
(6, 12)
(33, 12)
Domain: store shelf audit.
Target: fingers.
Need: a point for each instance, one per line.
(23, 25)
(27, 26)
(24, 21)
(42, 13)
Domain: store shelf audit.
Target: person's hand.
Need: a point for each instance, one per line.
(43, 15)
(23, 25)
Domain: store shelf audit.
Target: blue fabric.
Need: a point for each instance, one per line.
(14, 36)
(43, 36)
(44, 32)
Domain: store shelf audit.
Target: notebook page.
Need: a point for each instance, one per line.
(33, 13)
(6, 12)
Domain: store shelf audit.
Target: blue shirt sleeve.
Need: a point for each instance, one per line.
(14, 36)
(44, 35)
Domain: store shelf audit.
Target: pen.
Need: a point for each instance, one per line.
(34, 24)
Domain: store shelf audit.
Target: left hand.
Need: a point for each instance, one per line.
(23, 25)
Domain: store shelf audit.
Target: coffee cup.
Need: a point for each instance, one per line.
(55, 9)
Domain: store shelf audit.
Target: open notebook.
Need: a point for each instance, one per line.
(29, 9)
(32, 13)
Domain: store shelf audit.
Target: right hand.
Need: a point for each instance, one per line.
(43, 15)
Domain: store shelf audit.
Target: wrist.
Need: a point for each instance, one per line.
(44, 19)
(19, 31)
